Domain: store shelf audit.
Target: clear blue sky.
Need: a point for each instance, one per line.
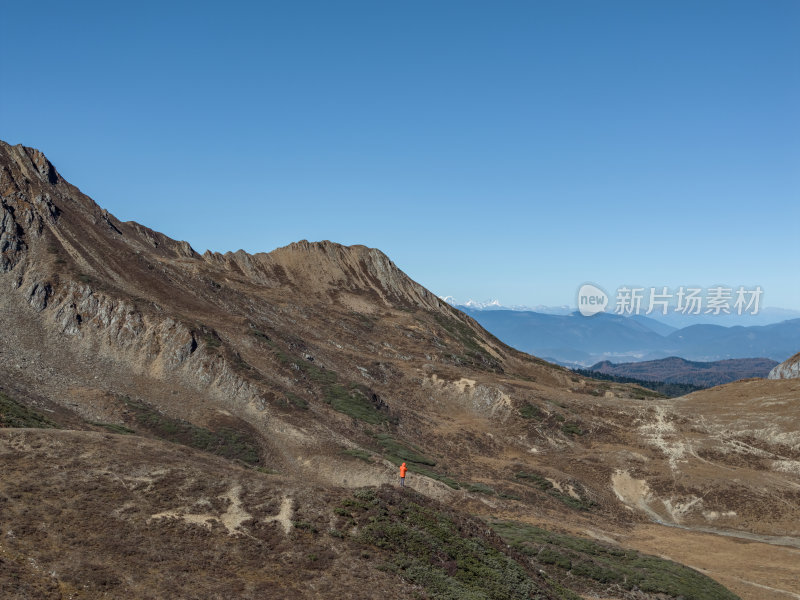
(492, 149)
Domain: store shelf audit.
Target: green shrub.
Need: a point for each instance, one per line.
(572, 429)
(114, 428)
(428, 547)
(15, 414)
(226, 442)
(296, 401)
(358, 453)
(211, 341)
(317, 374)
(535, 479)
(551, 557)
(305, 526)
(480, 488)
(353, 400)
(529, 411)
(507, 496)
(446, 479)
(398, 452)
(596, 565)
(354, 403)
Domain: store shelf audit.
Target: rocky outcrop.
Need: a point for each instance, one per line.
(151, 345)
(788, 369)
(12, 246)
(26, 204)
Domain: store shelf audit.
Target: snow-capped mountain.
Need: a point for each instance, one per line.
(474, 304)
(497, 305)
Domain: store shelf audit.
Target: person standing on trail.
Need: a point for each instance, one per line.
(403, 470)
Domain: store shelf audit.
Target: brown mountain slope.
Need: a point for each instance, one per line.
(328, 364)
(120, 516)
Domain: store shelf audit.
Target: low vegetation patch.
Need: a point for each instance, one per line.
(114, 428)
(296, 401)
(508, 496)
(572, 428)
(531, 411)
(358, 453)
(446, 479)
(211, 341)
(355, 402)
(226, 442)
(15, 414)
(317, 374)
(481, 488)
(397, 452)
(592, 566)
(448, 555)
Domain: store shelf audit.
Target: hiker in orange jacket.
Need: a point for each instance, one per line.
(403, 470)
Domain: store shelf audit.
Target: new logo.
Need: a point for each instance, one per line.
(591, 300)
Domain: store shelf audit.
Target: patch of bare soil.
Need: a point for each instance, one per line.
(753, 570)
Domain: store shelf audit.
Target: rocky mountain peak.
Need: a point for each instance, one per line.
(30, 161)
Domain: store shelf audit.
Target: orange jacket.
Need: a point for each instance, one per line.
(403, 470)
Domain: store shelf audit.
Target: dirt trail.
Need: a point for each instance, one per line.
(751, 569)
(772, 540)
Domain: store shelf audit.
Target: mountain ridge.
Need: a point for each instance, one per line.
(334, 264)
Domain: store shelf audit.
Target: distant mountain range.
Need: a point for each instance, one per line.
(674, 320)
(575, 340)
(679, 370)
(497, 305)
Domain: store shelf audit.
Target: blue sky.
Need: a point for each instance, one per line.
(506, 149)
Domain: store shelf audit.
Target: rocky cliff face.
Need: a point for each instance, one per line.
(788, 369)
